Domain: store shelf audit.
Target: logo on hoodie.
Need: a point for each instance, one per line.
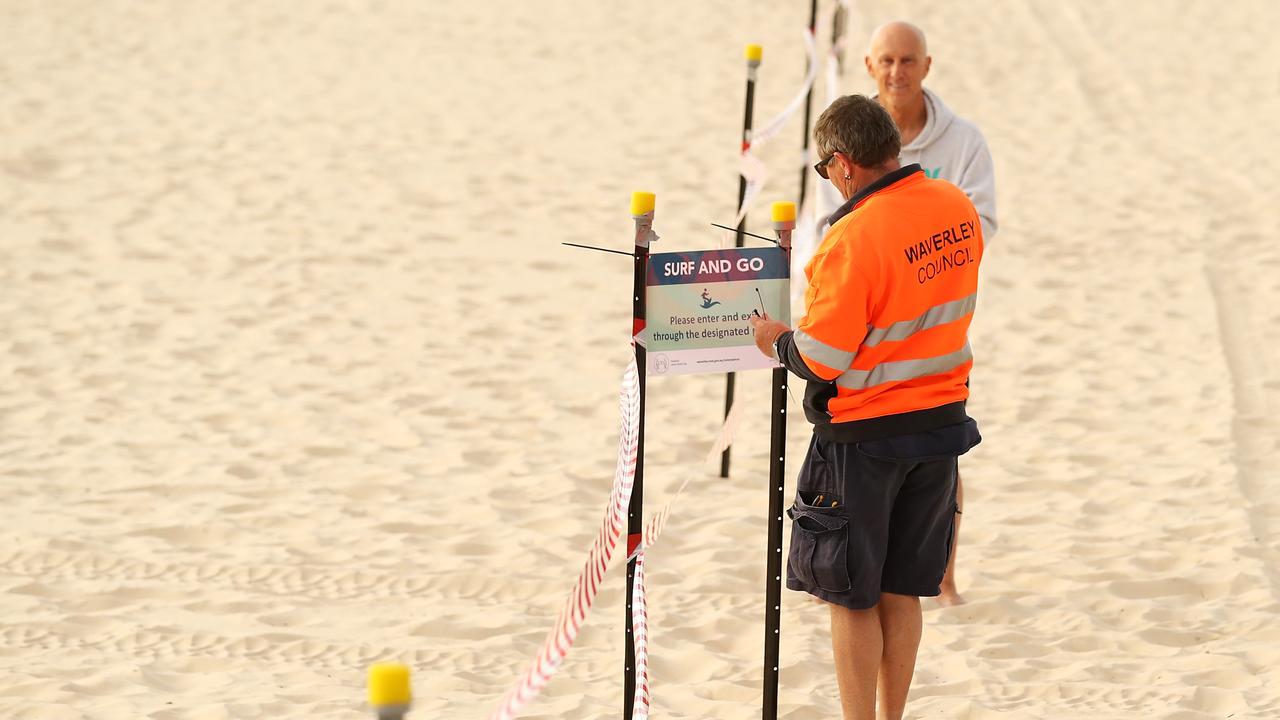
(934, 173)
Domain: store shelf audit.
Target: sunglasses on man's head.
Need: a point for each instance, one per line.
(821, 166)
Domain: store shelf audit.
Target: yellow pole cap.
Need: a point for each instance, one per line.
(753, 53)
(642, 202)
(783, 211)
(389, 685)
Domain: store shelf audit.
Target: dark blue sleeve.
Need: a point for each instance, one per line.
(790, 358)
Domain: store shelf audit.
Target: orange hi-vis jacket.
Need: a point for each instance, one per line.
(892, 289)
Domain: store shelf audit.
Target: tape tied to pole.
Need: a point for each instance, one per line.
(640, 634)
(835, 56)
(639, 597)
(813, 215)
(582, 596)
(751, 167)
(645, 235)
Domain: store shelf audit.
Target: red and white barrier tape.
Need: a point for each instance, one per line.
(640, 639)
(825, 198)
(840, 42)
(583, 594)
(750, 166)
(770, 129)
(639, 594)
(658, 521)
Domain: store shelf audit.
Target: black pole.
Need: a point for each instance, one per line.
(753, 55)
(808, 109)
(777, 468)
(642, 205)
(839, 19)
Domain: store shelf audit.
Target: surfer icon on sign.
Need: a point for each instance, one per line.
(707, 302)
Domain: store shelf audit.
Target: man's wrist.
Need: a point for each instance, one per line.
(777, 351)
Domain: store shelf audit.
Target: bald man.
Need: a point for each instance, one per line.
(946, 145)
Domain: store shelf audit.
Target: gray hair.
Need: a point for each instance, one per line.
(858, 127)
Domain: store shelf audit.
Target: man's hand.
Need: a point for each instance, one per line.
(767, 330)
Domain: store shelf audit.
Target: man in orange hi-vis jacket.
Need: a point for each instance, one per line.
(884, 347)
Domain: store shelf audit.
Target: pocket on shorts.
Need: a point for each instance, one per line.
(819, 555)
(818, 475)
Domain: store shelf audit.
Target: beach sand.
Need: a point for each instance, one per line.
(296, 377)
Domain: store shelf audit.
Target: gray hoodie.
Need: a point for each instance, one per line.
(952, 148)
(948, 147)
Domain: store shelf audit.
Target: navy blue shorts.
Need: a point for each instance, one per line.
(876, 516)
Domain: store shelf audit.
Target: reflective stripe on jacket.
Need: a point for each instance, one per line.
(892, 289)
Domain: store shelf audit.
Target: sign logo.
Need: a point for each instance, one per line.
(661, 364)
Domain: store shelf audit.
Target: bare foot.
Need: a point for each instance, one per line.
(950, 598)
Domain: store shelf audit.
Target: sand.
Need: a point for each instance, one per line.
(295, 377)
